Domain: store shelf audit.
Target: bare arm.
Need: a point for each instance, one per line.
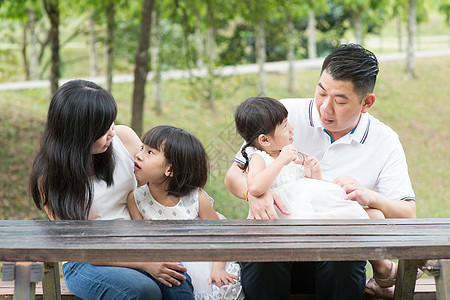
(389, 207)
(129, 139)
(132, 207)
(260, 208)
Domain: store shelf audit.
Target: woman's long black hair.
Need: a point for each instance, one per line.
(80, 113)
(256, 116)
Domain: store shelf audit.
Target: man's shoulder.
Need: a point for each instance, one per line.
(381, 131)
(297, 105)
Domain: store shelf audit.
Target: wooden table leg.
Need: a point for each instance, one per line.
(26, 275)
(406, 279)
(51, 284)
(443, 280)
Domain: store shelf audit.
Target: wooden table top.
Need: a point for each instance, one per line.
(224, 240)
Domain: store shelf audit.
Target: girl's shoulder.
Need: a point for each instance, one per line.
(129, 139)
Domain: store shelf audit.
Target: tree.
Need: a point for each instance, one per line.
(411, 35)
(444, 8)
(141, 68)
(52, 9)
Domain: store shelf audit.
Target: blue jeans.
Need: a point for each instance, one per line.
(88, 281)
(332, 280)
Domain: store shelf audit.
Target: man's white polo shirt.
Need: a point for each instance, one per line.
(372, 153)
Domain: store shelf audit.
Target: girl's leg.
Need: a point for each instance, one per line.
(88, 281)
(381, 268)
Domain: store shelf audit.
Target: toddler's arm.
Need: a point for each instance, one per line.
(132, 208)
(260, 178)
(219, 276)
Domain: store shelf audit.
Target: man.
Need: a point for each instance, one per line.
(357, 152)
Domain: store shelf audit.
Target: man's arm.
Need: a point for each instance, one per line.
(261, 207)
(389, 207)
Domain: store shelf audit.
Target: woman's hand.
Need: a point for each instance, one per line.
(167, 273)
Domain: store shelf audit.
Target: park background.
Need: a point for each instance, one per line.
(202, 58)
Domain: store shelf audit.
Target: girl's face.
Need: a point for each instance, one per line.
(282, 136)
(103, 142)
(151, 166)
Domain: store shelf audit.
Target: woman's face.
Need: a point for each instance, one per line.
(103, 142)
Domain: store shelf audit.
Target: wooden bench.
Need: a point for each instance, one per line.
(415, 242)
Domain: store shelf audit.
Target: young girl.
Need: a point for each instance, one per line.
(174, 166)
(274, 163)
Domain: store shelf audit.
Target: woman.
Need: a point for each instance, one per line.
(84, 170)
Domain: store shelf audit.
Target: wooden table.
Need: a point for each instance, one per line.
(412, 241)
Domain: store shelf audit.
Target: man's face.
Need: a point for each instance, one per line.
(338, 105)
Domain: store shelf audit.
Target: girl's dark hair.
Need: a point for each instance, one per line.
(354, 63)
(256, 116)
(185, 153)
(80, 113)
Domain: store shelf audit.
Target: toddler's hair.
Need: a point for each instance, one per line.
(186, 155)
(256, 116)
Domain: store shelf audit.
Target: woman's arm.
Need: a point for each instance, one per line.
(129, 139)
(132, 207)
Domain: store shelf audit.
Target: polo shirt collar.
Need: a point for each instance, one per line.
(358, 134)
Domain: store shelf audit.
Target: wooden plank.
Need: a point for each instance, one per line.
(224, 240)
(51, 283)
(406, 279)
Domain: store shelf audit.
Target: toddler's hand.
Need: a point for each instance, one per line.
(288, 154)
(313, 164)
(220, 277)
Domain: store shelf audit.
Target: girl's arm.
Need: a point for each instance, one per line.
(207, 212)
(260, 178)
(132, 207)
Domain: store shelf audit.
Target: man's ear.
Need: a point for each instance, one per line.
(264, 140)
(168, 171)
(367, 102)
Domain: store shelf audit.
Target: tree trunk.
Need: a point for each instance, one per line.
(93, 56)
(24, 51)
(399, 33)
(110, 15)
(199, 40)
(358, 25)
(291, 53)
(210, 42)
(155, 52)
(260, 48)
(52, 9)
(34, 58)
(312, 51)
(141, 69)
(411, 34)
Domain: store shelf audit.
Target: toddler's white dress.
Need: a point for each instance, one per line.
(187, 209)
(307, 198)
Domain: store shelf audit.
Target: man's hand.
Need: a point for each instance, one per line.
(263, 207)
(166, 272)
(357, 192)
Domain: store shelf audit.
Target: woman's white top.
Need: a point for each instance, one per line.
(110, 203)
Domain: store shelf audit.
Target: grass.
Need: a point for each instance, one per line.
(416, 109)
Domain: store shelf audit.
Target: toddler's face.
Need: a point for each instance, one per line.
(151, 166)
(282, 136)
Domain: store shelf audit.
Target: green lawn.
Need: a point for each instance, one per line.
(417, 109)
